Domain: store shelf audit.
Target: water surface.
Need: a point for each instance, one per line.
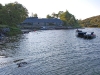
(51, 52)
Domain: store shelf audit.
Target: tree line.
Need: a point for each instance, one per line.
(90, 22)
(13, 14)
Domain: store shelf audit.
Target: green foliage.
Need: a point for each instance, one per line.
(4, 26)
(67, 18)
(91, 22)
(48, 16)
(35, 15)
(59, 13)
(11, 15)
(0, 6)
(14, 31)
(54, 15)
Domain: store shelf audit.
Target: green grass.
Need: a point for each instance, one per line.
(13, 30)
(3, 26)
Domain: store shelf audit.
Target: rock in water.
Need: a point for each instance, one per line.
(21, 64)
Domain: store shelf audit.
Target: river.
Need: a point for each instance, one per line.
(51, 52)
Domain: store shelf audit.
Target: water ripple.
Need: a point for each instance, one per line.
(51, 52)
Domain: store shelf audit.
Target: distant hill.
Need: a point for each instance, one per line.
(90, 22)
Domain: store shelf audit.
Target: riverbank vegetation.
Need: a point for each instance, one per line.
(7, 30)
(11, 15)
(90, 22)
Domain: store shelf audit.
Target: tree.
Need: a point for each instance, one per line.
(56, 15)
(35, 15)
(1, 6)
(48, 16)
(53, 15)
(59, 13)
(13, 13)
(65, 17)
(68, 18)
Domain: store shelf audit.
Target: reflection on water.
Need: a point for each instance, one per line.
(51, 52)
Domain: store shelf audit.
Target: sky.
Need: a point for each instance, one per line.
(81, 9)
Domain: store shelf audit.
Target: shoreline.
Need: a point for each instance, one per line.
(4, 39)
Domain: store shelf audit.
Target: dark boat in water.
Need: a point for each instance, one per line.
(84, 35)
(79, 33)
(90, 36)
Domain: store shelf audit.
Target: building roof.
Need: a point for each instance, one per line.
(35, 19)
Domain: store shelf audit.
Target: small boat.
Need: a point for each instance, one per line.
(90, 36)
(79, 33)
(84, 35)
(43, 28)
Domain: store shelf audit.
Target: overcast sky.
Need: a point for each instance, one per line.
(81, 9)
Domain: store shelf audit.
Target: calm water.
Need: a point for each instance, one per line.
(51, 52)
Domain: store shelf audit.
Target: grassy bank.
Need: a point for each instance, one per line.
(14, 30)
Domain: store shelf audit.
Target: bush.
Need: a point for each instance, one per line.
(14, 31)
